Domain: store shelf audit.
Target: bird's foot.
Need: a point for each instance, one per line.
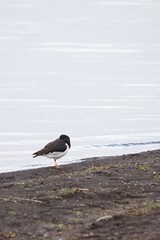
(57, 167)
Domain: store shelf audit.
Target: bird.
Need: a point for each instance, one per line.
(55, 149)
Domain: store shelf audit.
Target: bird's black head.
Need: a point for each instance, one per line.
(66, 139)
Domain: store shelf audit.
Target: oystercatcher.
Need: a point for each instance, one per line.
(55, 149)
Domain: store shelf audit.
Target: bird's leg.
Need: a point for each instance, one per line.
(56, 164)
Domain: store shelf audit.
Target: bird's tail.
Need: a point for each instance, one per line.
(34, 155)
(39, 153)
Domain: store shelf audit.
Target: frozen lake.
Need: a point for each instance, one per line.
(86, 68)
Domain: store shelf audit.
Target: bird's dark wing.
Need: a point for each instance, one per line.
(55, 146)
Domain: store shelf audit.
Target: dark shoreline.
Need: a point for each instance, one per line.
(100, 198)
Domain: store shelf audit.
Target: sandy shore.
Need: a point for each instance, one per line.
(105, 198)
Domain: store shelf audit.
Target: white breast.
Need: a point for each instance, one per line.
(56, 155)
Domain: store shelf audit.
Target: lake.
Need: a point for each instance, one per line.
(86, 68)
